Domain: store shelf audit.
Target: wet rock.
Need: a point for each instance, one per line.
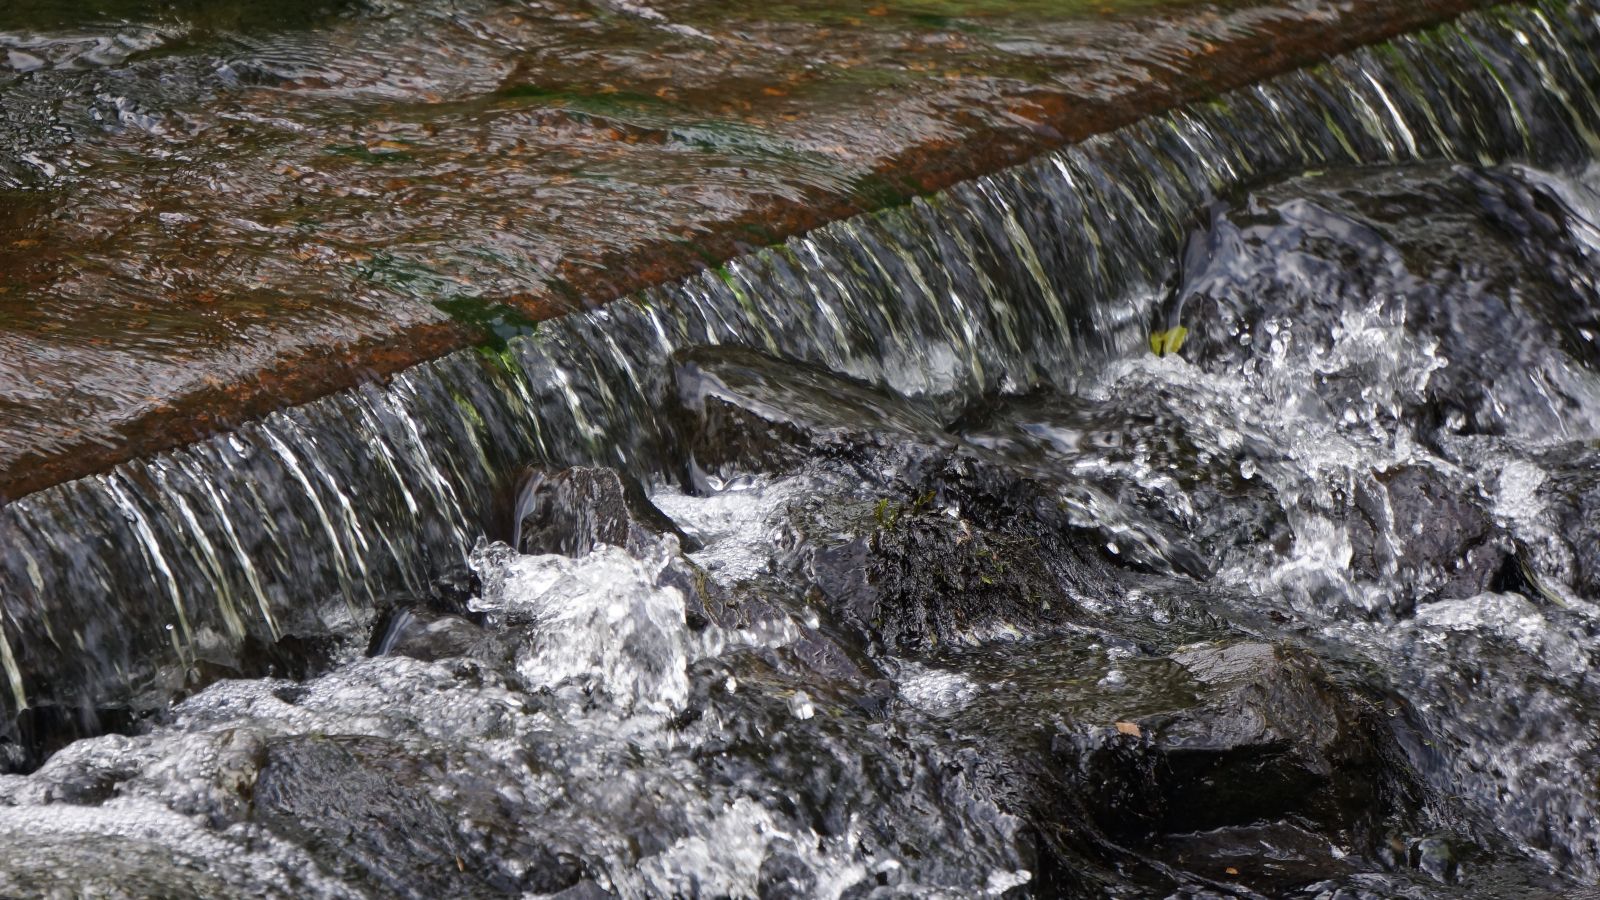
(453, 589)
(785, 876)
(67, 867)
(1437, 856)
(1269, 859)
(369, 810)
(583, 890)
(44, 729)
(1412, 523)
(945, 543)
(1467, 275)
(911, 579)
(1570, 492)
(842, 769)
(573, 511)
(1123, 469)
(1270, 748)
(1133, 452)
(428, 636)
(753, 412)
(335, 797)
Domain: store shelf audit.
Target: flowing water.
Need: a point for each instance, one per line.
(1204, 510)
(207, 206)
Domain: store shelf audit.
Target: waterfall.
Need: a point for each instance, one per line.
(242, 552)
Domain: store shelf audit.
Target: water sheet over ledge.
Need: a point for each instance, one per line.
(208, 214)
(240, 553)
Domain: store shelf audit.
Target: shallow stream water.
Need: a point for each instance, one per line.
(1204, 511)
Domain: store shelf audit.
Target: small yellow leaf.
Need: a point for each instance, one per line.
(1165, 343)
(1231, 870)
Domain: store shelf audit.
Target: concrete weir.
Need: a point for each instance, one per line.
(288, 222)
(270, 354)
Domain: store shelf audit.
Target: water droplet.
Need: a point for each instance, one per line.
(800, 706)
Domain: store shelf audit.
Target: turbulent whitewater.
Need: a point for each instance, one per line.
(1205, 510)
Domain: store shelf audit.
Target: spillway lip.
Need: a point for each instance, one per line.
(1293, 41)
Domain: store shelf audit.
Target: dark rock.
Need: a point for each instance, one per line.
(575, 510)
(846, 771)
(755, 412)
(105, 865)
(451, 591)
(1195, 498)
(785, 876)
(954, 546)
(428, 636)
(1437, 856)
(1269, 859)
(583, 890)
(1572, 494)
(1271, 748)
(1479, 263)
(43, 729)
(366, 808)
(340, 798)
(911, 579)
(1411, 523)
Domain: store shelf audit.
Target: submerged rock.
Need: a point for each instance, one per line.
(752, 412)
(426, 635)
(54, 867)
(347, 801)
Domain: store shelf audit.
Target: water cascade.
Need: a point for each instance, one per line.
(1351, 485)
